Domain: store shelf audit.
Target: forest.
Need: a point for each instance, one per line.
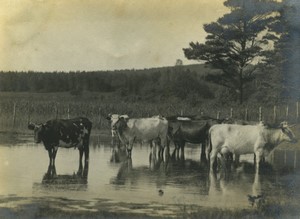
(188, 83)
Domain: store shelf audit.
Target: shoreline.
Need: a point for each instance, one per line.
(58, 207)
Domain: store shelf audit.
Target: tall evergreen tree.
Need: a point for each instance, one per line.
(235, 42)
(286, 55)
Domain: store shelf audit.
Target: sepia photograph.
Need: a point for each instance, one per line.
(149, 109)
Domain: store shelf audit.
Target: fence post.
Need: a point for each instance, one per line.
(231, 112)
(99, 115)
(14, 114)
(297, 111)
(260, 114)
(287, 112)
(56, 111)
(218, 115)
(295, 159)
(181, 112)
(68, 111)
(274, 114)
(29, 112)
(246, 114)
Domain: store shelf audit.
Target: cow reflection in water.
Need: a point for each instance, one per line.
(51, 177)
(119, 154)
(242, 185)
(180, 173)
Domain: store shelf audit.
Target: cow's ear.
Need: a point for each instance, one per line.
(31, 126)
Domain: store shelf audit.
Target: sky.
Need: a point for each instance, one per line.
(90, 35)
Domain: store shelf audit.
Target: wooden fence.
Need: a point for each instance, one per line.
(265, 115)
(16, 115)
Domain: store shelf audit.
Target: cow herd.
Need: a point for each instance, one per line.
(225, 138)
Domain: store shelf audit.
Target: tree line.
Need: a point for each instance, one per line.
(179, 82)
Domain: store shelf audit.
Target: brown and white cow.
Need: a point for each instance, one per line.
(113, 118)
(247, 139)
(67, 133)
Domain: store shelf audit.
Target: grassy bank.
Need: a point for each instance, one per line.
(66, 208)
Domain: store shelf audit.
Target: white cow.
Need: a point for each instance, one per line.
(247, 139)
(143, 129)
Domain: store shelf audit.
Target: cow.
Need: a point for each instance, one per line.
(67, 133)
(240, 122)
(245, 139)
(113, 118)
(191, 131)
(143, 129)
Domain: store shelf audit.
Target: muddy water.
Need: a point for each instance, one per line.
(141, 180)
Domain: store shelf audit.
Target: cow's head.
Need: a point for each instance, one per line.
(109, 117)
(120, 125)
(287, 133)
(113, 118)
(39, 130)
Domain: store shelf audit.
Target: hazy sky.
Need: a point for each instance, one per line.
(48, 35)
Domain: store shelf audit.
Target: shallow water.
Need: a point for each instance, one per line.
(141, 180)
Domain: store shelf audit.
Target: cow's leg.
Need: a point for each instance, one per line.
(80, 161)
(112, 138)
(86, 142)
(226, 157)
(203, 152)
(213, 163)
(129, 148)
(51, 153)
(223, 158)
(263, 159)
(236, 160)
(258, 155)
(50, 157)
(54, 154)
(155, 147)
(166, 153)
(165, 148)
(161, 151)
(207, 150)
(176, 150)
(85, 170)
(182, 144)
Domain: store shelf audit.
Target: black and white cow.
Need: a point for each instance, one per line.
(67, 133)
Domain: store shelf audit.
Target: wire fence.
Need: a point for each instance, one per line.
(15, 115)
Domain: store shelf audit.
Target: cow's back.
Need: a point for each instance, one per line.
(148, 128)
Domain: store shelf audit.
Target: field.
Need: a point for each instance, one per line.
(19, 108)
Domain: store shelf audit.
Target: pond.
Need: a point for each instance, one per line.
(141, 185)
